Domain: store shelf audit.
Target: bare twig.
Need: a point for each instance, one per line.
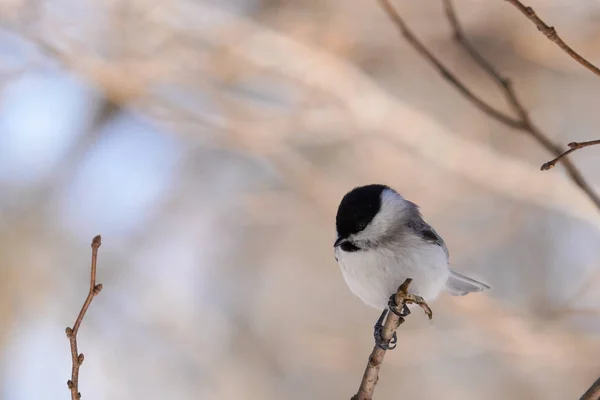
(593, 393)
(72, 332)
(551, 34)
(423, 51)
(572, 147)
(392, 322)
(503, 83)
(522, 123)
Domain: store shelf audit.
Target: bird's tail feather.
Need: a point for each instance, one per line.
(460, 285)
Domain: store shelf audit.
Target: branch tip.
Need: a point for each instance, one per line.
(97, 241)
(573, 146)
(404, 287)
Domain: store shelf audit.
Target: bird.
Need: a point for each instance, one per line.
(382, 239)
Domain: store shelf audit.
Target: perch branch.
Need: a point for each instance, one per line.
(551, 34)
(391, 324)
(522, 123)
(77, 358)
(573, 146)
(593, 393)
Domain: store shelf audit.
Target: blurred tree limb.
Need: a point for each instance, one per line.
(593, 393)
(391, 324)
(312, 68)
(506, 86)
(552, 35)
(77, 358)
(522, 122)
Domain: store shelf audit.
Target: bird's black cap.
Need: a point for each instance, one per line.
(357, 208)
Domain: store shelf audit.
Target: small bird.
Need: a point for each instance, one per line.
(382, 240)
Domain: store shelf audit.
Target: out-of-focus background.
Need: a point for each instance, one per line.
(210, 143)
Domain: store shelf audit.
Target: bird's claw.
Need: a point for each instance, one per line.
(401, 297)
(408, 299)
(418, 300)
(379, 341)
(403, 312)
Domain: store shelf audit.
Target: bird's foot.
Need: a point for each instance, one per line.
(379, 341)
(407, 299)
(403, 312)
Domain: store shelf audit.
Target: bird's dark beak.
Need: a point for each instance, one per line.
(339, 241)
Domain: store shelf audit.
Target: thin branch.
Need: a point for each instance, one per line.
(573, 146)
(506, 85)
(522, 123)
(77, 358)
(551, 34)
(593, 393)
(391, 324)
(445, 72)
(503, 83)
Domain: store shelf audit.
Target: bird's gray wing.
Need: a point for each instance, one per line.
(458, 285)
(424, 230)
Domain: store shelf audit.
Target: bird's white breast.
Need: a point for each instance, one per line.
(375, 274)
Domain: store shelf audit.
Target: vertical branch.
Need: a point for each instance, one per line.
(391, 324)
(371, 374)
(77, 358)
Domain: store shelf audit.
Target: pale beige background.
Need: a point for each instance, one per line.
(210, 143)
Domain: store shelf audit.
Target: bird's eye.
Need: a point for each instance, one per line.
(361, 226)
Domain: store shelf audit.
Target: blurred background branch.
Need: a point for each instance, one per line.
(593, 393)
(522, 123)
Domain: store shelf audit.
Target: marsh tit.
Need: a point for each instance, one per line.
(382, 240)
